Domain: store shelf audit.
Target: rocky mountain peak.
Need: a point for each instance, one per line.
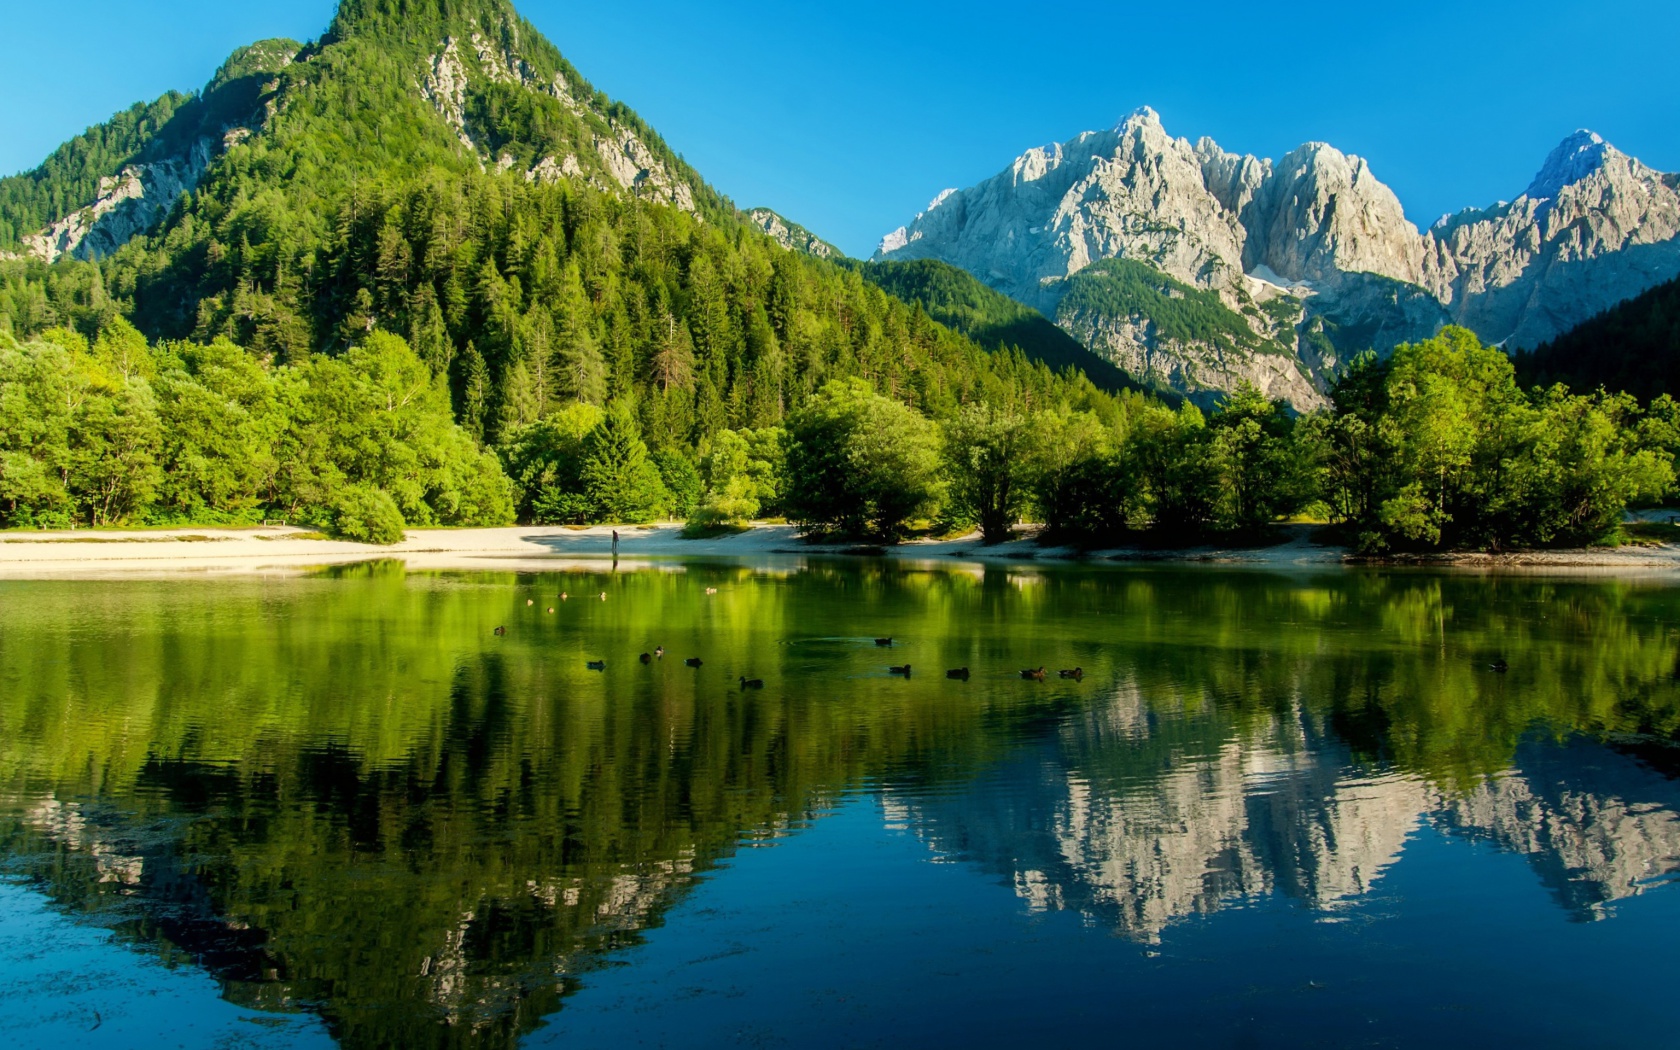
(1143, 116)
(1315, 241)
(1574, 159)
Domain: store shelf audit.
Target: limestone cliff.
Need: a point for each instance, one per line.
(791, 235)
(1314, 238)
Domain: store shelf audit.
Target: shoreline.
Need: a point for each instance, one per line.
(274, 550)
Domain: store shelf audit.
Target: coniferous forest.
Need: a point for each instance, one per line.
(354, 322)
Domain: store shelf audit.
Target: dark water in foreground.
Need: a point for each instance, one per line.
(1276, 810)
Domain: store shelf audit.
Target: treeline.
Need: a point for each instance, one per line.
(1633, 346)
(1434, 448)
(115, 431)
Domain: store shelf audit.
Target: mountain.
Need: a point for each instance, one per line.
(103, 187)
(791, 235)
(1290, 267)
(960, 301)
(437, 169)
(1633, 346)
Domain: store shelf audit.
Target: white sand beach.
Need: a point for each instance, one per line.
(282, 550)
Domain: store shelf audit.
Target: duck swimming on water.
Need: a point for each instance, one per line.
(1076, 674)
(751, 683)
(1035, 676)
(647, 658)
(885, 643)
(500, 631)
(597, 665)
(960, 674)
(659, 652)
(903, 672)
(693, 661)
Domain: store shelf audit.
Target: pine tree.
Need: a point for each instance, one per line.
(619, 478)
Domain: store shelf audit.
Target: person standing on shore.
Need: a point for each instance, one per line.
(615, 545)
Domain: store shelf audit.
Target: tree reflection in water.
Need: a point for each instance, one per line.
(346, 795)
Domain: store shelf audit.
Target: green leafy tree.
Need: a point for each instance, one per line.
(38, 392)
(989, 458)
(742, 475)
(1263, 472)
(620, 480)
(545, 461)
(115, 439)
(222, 422)
(859, 463)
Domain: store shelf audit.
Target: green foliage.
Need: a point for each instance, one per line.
(378, 417)
(1126, 288)
(989, 459)
(545, 461)
(188, 434)
(743, 474)
(222, 424)
(1632, 347)
(1080, 489)
(366, 515)
(860, 464)
(1438, 448)
(1262, 474)
(959, 300)
(682, 482)
(620, 481)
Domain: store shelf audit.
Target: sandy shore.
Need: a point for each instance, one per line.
(90, 554)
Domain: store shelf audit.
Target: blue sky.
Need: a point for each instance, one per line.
(849, 117)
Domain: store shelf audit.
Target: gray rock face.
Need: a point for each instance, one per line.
(1594, 227)
(792, 236)
(127, 205)
(618, 160)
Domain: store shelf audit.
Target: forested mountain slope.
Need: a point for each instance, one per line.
(436, 170)
(1633, 346)
(958, 299)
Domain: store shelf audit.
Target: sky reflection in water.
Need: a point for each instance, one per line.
(1277, 810)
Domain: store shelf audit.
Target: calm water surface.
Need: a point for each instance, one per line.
(1277, 810)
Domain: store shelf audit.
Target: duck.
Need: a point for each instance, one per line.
(603, 595)
(530, 602)
(500, 631)
(597, 665)
(659, 651)
(647, 658)
(885, 643)
(960, 674)
(1076, 674)
(1036, 676)
(1499, 666)
(751, 683)
(564, 596)
(551, 610)
(711, 590)
(693, 661)
(901, 671)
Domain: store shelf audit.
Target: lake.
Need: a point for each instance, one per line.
(1348, 808)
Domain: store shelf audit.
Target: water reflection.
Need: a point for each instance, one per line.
(1286, 812)
(348, 796)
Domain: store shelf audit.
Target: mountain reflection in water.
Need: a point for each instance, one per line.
(346, 795)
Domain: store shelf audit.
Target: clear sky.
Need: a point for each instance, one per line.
(849, 117)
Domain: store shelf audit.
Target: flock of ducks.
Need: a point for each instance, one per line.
(959, 674)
